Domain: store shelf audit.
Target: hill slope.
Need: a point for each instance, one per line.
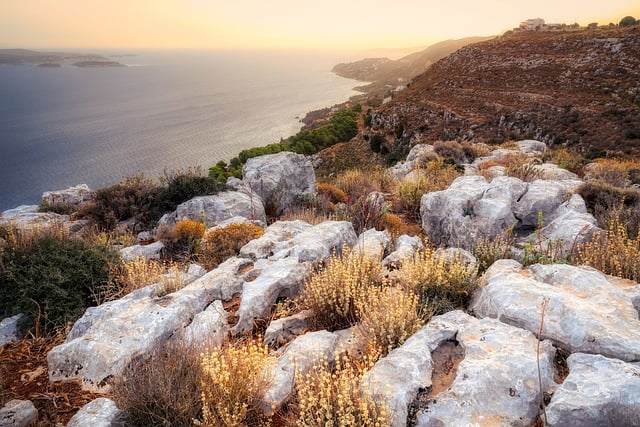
(578, 88)
(384, 72)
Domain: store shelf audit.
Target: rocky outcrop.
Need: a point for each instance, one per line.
(101, 412)
(280, 179)
(597, 392)
(28, 217)
(208, 328)
(215, 209)
(18, 413)
(585, 312)
(9, 332)
(472, 209)
(418, 156)
(69, 197)
(405, 248)
(373, 244)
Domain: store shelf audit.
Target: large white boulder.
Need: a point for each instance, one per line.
(597, 392)
(373, 243)
(497, 382)
(71, 196)
(586, 311)
(208, 328)
(405, 248)
(150, 251)
(280, 179)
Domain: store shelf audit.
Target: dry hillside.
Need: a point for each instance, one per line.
(575, 88)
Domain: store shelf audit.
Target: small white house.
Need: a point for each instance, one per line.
(535, 24)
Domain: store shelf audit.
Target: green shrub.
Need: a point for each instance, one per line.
(51, 278)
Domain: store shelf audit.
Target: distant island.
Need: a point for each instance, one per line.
(54, 59)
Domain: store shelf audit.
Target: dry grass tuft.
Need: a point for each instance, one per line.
(333, 397)
(615, 253)
(336, 293)
(614, 172)
(142, 272)
(487, 251)
(233, 384)
(355, 182)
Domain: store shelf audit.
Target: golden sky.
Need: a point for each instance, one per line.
(345, 24)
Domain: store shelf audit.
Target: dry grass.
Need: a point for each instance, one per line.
(389, 315)
(396, 226)
(487, 251)
(161, 389)
(436, 176)
(565, 159)
(614, 172)
(336, 293)
(234, 383)
(219, 244)
(307, 214)
(141, 272)
(356, 183)
(441, 284)
(526, 172)
(614, 253)
(333, 397)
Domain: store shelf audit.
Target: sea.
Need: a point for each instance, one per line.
(166, 110)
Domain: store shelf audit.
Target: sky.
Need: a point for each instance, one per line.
(251, 24)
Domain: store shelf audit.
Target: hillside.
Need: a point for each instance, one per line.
(385, 73)
(47, 59)
(575, 88)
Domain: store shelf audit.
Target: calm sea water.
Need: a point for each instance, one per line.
(64, 126)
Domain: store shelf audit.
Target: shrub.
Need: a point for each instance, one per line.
(355, 182)
(436, 176)
(336, 292)
(333, 193)
(328, 397)
(162, 388)
(487, 251)
(365, 213)
(388, 316)
(396, 226)
(526, 172)
(565, 159)
(376, 143)
(441, 284)
(219, 244)
(615, 253)
(188, 234)
(50, 277)
(141, 272)
(233, 384)
(613, 172)
(607, 203)
(451, 150)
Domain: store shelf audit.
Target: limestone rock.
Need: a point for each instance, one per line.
(282, 330)
(101, 412)
(208, 328)
(225, 282)
(396, 378)
(27, 217)
(150, 251)
(597, 392)
(542, 197)
(497, 381)
(106, 338)
(236, 220)
(283, 277)
(9, 333)
(450, 255)
(18, 413)
(531, 146)
(406, 247)
(417, 157)
(586, 312)
(217, 208)
(373, 243)
(71, 196)
(553, 172)
(280, 179)
(300, 355)
(273, 237)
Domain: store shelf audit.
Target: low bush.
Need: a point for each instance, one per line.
(161, 389)
(141, 272)
(441, 284)
(364, 213)
(218, 244)
(52, 278)
(234, 382)
(330, 395)
(614, 253)
(612, 171)
(356, 182)
(526, 172)
(452, 151)
(396, 226)
(608, 203)
(336, 293)
(332, 193)
(565, 159)
(487, 251)
(188, 234)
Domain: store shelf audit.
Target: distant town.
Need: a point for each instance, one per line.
(538, 24)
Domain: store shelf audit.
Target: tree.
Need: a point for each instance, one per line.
(628, 21)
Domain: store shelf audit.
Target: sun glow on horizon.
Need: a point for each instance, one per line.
(331, 24)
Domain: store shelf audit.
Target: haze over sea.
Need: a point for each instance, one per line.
(168, 109)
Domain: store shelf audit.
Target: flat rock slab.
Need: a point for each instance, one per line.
(101, 412)
(586, 311)
(496, 383)
(597, 392)
(150, 251)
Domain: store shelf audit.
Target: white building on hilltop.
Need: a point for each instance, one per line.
(535, 24)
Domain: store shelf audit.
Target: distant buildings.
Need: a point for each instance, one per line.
(535, 24)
